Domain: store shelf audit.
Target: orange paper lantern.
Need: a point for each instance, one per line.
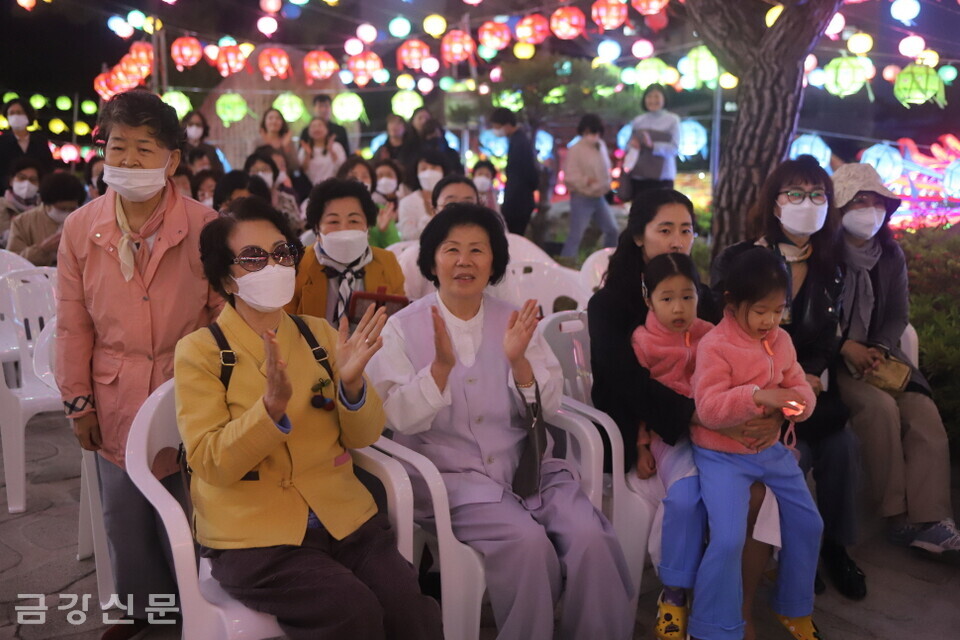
(274, 63)
(319, 65)
(142, 53)
(495, 35)
(130, 67)
(533, 29)
(101, 84)
(186, 52)
(363, 66)
(457, 46)
(411, 54)
(609, 14)
(567, 22)
(230, 59)
(649, 7)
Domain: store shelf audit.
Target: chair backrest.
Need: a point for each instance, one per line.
(567, 334)
(543, 282)
(30, 294)
(524, 250)
(43, 354)
(10, 261)
(398, 248)
(594, 268)
(910, 345)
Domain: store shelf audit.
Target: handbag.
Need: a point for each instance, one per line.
(526, 479)
(892, 375)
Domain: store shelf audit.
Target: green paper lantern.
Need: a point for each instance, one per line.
(948, 73)
(446, 83)
(487, 53)
(348, 107)
(231, 107)
(844, 76)
(37, 101)
(918, 84)
(179, 101)
(557, 95)
(290, 106)
(64, 103)
(512, 100)
(649, 71)
(10, 95)
(89, 107)
(703, 65)
(404, 103)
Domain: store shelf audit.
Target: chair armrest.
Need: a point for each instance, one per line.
(399, 490)
(591, 451)
(614, 437)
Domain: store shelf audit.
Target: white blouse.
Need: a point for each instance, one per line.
(412, 216)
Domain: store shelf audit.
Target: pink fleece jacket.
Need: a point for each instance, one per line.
(731, 365)
(669, 356)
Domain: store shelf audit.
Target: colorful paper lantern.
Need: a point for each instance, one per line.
(457, 46)
(912, 46)
(810, 63)
(81, 128)
(434, 25)
(609, 14)
(367, 33)
(267, 25)
(812, 145)
(928, 57)
(642, 49)
(649, 7)
(918, 84)
(348, 107)
(860, 43)
(512, 100)
(290, 106)
(363, 66)
(411, 54)
(657, 22)
(27, 4)
(130, 67)
(430, 65)
(186, 52)
(567, 22)
(101, 84)
(650, 71)
(844, 77)
(728, 80)
(64, 103)
(274, 63)
(406, 82)
(179, 101)
(89, 107)
(905, 10)
(493, 145)
(404, 103)
(495, 35)
(885, 159)
(773, 13)
(142, 54)
(951, 179)
(271, 6)
(230, 60)
(399, 27)
(609, 50)
(835, 26)
(532, 29)
(948, 73)
(524, 50)
(57, 126)
(890, 72)
(703, 65)
(231, 107)
(693, 139)
(319, 65)
(69, 153)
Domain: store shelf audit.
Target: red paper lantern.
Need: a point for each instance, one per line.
(319, 65)
(101, 84)
(609, 14)
(363, 66)
(657, 21)
(230, 59)
(411, 54)
(186, 52)
(567, 22)
(533, 29)
(274, 63)
(119, 80)
(130, 67)
(495, 35)
(142, 53)
(457, 46)
(649, 7)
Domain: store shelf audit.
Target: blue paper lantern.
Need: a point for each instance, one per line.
(378, 141)
(693, 139)
(951, 179)
(544, 144)
(812, 145)
(885, 159)
(623, 136)
(494, 145)
(453, 141)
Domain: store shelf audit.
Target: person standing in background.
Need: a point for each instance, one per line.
(523, 177)
(587, 176)
(651, 162)
(322, 108)
(17, 142)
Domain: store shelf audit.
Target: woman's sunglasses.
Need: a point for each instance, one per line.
(255, 258)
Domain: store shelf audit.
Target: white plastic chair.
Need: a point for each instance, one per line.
(594, 268)
(397, 248)
(524, 250)
(92, 536)
(462, 578)
(9, 261)
(544, 283)
(631, 512)
(208, 611)
(910, 345)
(30, 295)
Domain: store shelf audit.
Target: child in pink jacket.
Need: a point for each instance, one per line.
(748, 363)
(666, 345)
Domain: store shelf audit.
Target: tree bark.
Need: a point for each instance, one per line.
(769, 63)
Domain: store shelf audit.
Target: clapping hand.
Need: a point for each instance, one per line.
(444, 358)
(279, 390)
(520, 329)
(354, 351)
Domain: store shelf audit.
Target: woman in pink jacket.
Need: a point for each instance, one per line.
(130, 286)
(745, 365)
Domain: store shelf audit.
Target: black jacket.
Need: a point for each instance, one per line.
(37, 148)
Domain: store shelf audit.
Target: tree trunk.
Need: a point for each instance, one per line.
(769, 63)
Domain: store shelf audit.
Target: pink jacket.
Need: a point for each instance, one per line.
(731, 365)
(115, 339)
(669, 356)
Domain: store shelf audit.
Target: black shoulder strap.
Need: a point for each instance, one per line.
(228, 358)
(318, 352)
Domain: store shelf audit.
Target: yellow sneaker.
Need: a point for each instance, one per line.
(802, 628)
(671, 620)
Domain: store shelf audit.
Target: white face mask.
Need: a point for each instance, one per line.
(194, 132)
(482, 183)
(136, 185)
(57, 215)
(864, 223)
(24, 189)
(344, 246)
(267, 177)
(282, 177)
(268, 289)
(429, 179)
(207, 202)
(18, 121)
(803, 219)
(386, 186)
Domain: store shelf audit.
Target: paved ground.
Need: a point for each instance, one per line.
(910, 596)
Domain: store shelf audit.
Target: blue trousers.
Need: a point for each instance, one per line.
(583, 209)
(725, 481)
(684, 518)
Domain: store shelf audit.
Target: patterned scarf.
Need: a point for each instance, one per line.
(348, 274)
(129, 252)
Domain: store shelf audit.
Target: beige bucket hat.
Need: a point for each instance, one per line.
(851, 179)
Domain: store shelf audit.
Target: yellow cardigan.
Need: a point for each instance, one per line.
(310, 296)
(252, 484)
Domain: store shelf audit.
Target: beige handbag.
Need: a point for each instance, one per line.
(891, 376)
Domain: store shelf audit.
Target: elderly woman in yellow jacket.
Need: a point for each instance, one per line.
(342, 260)
(289, 528)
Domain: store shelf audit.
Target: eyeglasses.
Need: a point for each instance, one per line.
(797, 196)
(255, 258)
